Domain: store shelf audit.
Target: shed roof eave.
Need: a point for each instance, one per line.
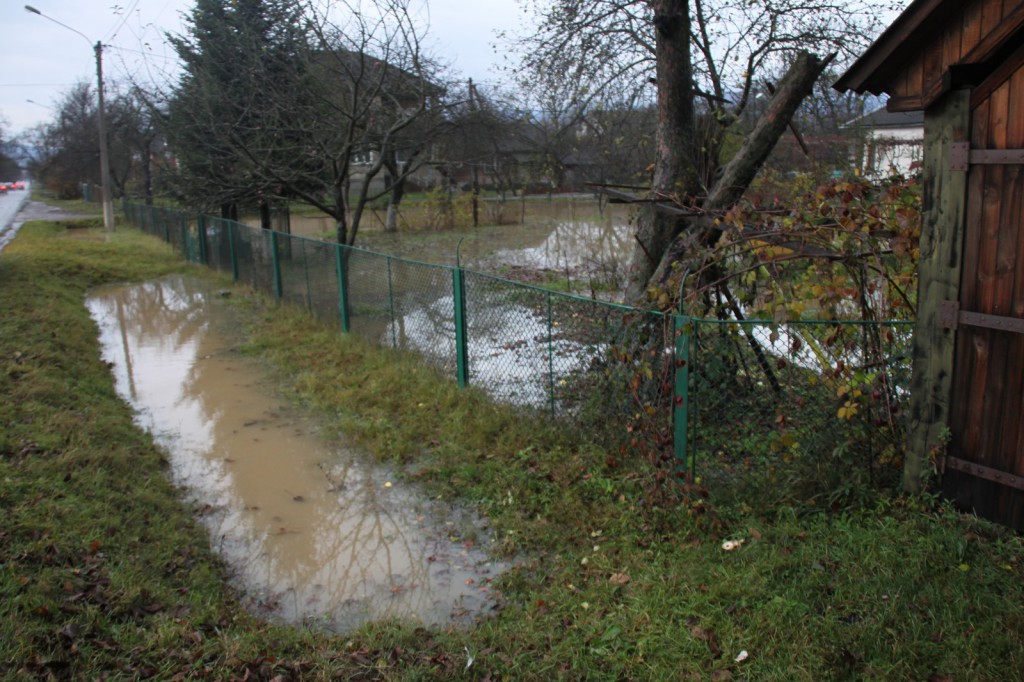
(871, 72)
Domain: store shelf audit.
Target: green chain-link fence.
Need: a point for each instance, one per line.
(800, 407)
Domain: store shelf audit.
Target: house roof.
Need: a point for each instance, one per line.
(883, 118)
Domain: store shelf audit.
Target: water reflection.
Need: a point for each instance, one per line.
(311, 533)
(581, 247)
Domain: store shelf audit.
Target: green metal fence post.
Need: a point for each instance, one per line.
(681, 392)
(551, 357)
(232, 238)
(305, 267)
(278, 289)
(461, 335)
(339, 252)
(185, 250)
(204, 257)
(391, 307)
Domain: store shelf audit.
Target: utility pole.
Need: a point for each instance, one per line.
(108, 204)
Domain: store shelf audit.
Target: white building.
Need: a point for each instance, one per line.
(893, 142)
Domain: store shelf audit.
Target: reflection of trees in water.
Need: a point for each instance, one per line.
(359, 551)
(364, 554)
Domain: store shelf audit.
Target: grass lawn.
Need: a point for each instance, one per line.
(104, 573)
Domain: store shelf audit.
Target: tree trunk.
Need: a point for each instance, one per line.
(675, 177)
(341, 214)
(147, 172)
(399, 177)
(391, 221)
(265, 215)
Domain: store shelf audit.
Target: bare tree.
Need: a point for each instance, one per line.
(704, 57)
(65, 153)
(379, 93)
(338, 110)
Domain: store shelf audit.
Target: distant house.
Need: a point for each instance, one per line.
(893, 142)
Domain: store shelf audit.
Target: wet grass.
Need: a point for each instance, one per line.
(106, 574)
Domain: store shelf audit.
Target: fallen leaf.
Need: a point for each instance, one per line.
(619, 579)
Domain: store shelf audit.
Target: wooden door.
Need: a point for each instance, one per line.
(984, 466)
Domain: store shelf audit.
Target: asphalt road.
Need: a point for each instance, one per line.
(16, 209)
(10, 205)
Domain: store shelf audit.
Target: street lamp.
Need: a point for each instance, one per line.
(108, 206)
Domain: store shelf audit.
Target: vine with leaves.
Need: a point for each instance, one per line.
(845, 250)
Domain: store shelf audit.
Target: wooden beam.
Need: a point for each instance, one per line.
(660, 205)
(942, 236)
(996, 42)
(998, 76)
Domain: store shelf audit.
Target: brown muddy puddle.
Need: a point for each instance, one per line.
(311, 532)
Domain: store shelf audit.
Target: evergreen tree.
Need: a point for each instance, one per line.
(241, 62)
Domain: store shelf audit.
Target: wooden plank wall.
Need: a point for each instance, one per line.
(964, 31)
(988, 410)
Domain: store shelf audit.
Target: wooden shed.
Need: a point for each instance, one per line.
(961, 62)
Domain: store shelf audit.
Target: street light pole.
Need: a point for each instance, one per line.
(108, 205)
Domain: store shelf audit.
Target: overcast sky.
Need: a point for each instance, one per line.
(41, 60)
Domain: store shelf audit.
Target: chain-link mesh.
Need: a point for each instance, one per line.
(219, 243)
(509, 341)
(755, 408)
(255, 257)
(321, 275)
(802, 407)
(423, 312)
(367, 295)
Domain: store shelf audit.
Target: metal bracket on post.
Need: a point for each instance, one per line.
(959, 156)
(949, 312)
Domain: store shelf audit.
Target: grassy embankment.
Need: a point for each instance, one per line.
(105, 573)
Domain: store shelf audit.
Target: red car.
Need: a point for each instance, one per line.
(4, 186)
(19, 184)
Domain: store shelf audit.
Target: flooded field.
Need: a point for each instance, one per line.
(572, 235)
(311, 532)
